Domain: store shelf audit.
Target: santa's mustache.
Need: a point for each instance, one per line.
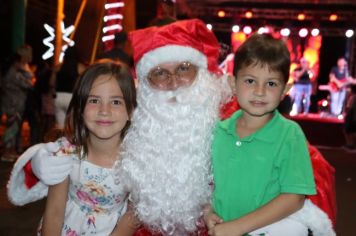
(187, 95)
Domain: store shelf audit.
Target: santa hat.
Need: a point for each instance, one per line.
(186, 40)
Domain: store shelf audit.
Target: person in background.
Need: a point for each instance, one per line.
(32, 113)
(258, 147)
(118, 53)
(339, 79)
(88, 201)
(16, 83)
(302, 88)
(165, 14)
(350, 121)
(45, 87)
(69, 71)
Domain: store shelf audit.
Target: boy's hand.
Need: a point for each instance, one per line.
(210, 218)
(224, 229)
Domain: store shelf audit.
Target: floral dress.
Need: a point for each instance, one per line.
(95, 202)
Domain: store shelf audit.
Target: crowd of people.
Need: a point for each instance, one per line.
(166, 163)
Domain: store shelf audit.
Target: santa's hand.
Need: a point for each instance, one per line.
(48, 168)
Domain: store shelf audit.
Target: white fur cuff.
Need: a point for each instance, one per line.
(17, 192)
(315, 219)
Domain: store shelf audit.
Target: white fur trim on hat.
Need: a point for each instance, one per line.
(17, 192)
(167, 54)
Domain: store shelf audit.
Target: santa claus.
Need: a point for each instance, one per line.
(166, 154)
(165, 160)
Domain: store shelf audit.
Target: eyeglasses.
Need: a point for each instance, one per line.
(184, 74)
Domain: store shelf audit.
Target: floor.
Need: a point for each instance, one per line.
(22, 221)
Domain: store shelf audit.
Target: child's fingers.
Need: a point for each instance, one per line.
(211, 232)
(216, 219)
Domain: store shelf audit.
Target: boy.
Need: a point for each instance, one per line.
(261, 166)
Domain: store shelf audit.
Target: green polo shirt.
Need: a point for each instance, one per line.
(250, 172)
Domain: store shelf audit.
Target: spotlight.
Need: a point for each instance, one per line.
(235, 28)
(323, 107)
(303, 32)
(248, 14)
(262, 30)
(315, 32)
(301, 16)
(221, 13)
(285, 32)
(349, 33)
(247, 29)
(333, 17)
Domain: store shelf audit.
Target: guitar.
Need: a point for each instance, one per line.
(337, 86)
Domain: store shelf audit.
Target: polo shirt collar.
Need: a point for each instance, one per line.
(264, 134)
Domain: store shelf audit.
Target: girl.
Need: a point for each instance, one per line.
(89, 202)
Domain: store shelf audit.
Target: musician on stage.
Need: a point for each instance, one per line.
(339, 79)
(302, 88)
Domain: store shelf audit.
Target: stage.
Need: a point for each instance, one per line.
(321, 129)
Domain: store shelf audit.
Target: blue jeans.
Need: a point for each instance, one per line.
(337, 101)
(301, 96)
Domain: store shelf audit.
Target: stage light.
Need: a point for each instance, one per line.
(333, 17)
(247, 29)
(235, 28)
(221, 13)
(285, 32)
(349, 33)
(248, 14)
(323, 107)
(324, 103)
(303, 32)
(315, 32)
(301, 16)
(262, 30)
(209, 26)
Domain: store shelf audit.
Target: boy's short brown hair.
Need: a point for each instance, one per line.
(263, 49)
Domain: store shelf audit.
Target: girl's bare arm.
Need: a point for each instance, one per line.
(53, 217)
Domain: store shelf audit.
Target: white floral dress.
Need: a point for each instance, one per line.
(95, 202)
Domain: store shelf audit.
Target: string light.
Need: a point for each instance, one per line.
(113, 17)
(49, 40)
(114, 5)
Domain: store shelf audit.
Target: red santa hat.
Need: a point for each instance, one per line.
(186, 40)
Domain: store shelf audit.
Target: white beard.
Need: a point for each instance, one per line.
(166, 154)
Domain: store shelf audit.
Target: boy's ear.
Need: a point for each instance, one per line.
(232, 82)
